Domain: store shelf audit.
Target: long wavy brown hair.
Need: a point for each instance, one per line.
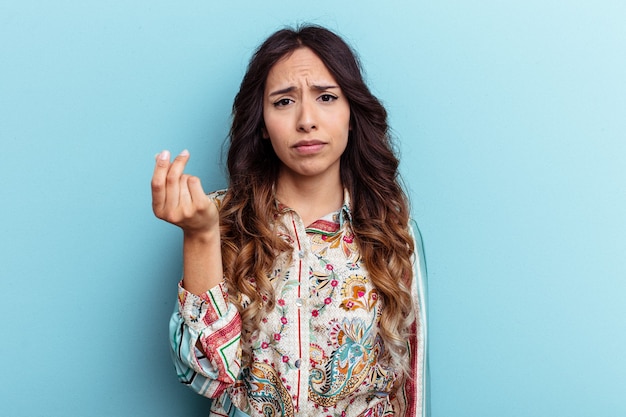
(369, 171)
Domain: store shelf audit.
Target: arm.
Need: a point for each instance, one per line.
(205, 329)
(179, 199)
(206, 323)
(420, 294)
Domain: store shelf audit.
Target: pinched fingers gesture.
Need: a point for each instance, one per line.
(179, 199)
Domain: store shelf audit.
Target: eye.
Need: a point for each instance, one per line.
(327, 97)
(282, 102)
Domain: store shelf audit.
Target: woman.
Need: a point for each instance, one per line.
(302, 282)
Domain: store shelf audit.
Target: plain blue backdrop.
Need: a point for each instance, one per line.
(510, 118)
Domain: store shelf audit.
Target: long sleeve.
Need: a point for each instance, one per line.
(419, 346)
(318, 350)
(212, 322)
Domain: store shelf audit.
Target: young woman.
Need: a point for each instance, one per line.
(303, 282)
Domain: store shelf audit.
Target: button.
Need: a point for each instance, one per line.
(297, 363)
(299, 302)
(301, 254)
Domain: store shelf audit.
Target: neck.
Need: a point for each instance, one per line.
(311, 198)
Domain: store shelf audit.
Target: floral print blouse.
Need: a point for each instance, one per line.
(317, 353)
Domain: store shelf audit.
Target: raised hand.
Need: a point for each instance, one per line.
(179, 199)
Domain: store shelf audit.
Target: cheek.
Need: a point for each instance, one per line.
(346, 119)
(273, 126)
(269, 123)
(345, 124)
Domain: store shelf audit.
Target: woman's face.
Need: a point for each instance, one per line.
(307, 117)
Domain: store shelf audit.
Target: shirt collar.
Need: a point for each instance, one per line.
(328, 225)
(345, 212)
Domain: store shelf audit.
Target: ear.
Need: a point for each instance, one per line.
(265, 134)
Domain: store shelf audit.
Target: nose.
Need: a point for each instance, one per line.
(306, 117)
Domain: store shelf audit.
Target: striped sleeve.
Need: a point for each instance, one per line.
(419, 343)
(213, 323)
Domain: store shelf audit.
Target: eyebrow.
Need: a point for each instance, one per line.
(293, 88)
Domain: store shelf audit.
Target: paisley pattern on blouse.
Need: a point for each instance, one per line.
(347, 367)
(355, 346)
(355, 295)
(317, 352)
(266, 393)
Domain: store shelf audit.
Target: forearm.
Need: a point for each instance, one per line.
(202, 261)
(179, 199)
(205, 340)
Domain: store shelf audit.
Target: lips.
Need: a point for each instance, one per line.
(309, 146)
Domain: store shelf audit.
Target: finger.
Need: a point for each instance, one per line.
(184, 200)
(198, 196)
(172, 181)
(158, 181)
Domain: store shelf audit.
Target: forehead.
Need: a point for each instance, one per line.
(301, 64)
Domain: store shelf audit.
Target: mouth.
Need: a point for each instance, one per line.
(308, 146)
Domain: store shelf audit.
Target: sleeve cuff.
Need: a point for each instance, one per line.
(201, 311)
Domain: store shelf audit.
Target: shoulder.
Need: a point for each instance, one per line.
(218, 196)
(416, 233)
(419, 254)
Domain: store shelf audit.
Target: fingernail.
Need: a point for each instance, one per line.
(184, 153)
(164, 156)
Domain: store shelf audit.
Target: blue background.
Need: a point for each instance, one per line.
(510, 119)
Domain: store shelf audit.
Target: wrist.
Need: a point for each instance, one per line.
(201, 237)
(202, 260)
